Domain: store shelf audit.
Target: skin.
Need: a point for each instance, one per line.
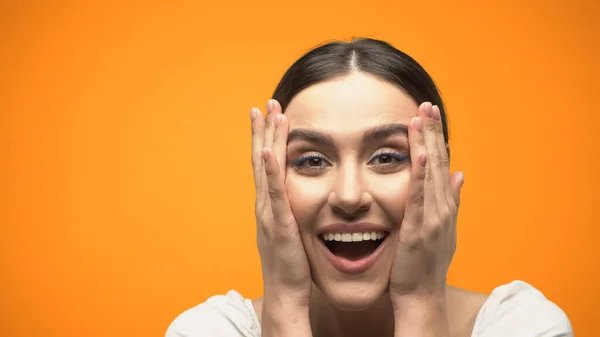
(400, 182)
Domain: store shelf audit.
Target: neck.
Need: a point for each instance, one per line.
(330, 321)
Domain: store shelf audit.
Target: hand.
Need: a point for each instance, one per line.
(427, 236)
(285, 268)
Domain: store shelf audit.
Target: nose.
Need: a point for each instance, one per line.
(349, 195)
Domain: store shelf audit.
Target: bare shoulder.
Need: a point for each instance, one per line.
(257, 304)
(466, 297)
(463, 307)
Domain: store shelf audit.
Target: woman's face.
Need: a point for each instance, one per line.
(347, 179)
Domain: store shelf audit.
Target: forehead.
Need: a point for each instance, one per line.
(350, 103)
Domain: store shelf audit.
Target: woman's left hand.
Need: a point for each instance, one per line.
(427, 236)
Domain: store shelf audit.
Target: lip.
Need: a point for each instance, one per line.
(356, 266)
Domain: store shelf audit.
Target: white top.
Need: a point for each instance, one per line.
(514, 309)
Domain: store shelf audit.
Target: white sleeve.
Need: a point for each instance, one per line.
(220, 316)
(519, 310)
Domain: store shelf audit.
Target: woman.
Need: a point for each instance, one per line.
(356, 213)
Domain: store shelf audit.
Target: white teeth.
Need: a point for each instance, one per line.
(353, 237)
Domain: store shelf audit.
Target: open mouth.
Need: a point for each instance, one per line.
(353, 246)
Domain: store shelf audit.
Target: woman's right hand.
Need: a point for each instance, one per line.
(286, 273)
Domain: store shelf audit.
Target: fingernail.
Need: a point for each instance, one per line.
(428, 111)
(270, 106)
(436, 112)
(278, 120)
(252, 114)
(418, 125)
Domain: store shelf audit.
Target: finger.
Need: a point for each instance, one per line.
(258, 133)
(273, 109)
(456, 181)
(280, 141)
(260, 178)
(280, 205)
(442, 149)
(435, 189)
(268, 142)
(416, 197)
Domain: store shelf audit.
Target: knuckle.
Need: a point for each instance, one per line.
(270, 173)
(283, 234)
(455, 205)
(287, 220)
(434, 127)
(262, 209)
(452, 208)
(444, 213)
(260, 213)
(274, 193)
(435, 231)
(264, 231)
(428, 174)
(418, 199)
(269, 121)
(419, 173)
(258, 127)
(414, 241)
(434, 226)
(443, 160)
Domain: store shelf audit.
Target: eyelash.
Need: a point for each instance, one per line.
(400, 159)
(305, 158)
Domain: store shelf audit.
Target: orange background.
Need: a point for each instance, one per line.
(126, 184)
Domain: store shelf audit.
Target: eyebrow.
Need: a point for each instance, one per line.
(382, 132)
(310, 136)
(375, 134)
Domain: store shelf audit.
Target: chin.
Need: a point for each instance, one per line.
(353, 296)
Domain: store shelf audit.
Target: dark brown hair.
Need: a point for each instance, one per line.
(375, 57)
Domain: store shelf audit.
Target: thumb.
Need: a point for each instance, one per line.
(456, 182)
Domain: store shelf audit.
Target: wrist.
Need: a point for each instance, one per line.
(285, 317)
(421, 315)
(416, 301)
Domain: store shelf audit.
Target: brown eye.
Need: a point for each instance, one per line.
(311, 164)
(384, 159)
(389, 161)
(315, 162)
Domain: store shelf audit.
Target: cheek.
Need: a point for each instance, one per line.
(307, 196)
(391, 193)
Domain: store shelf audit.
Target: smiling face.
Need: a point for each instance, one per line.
(347, 180)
